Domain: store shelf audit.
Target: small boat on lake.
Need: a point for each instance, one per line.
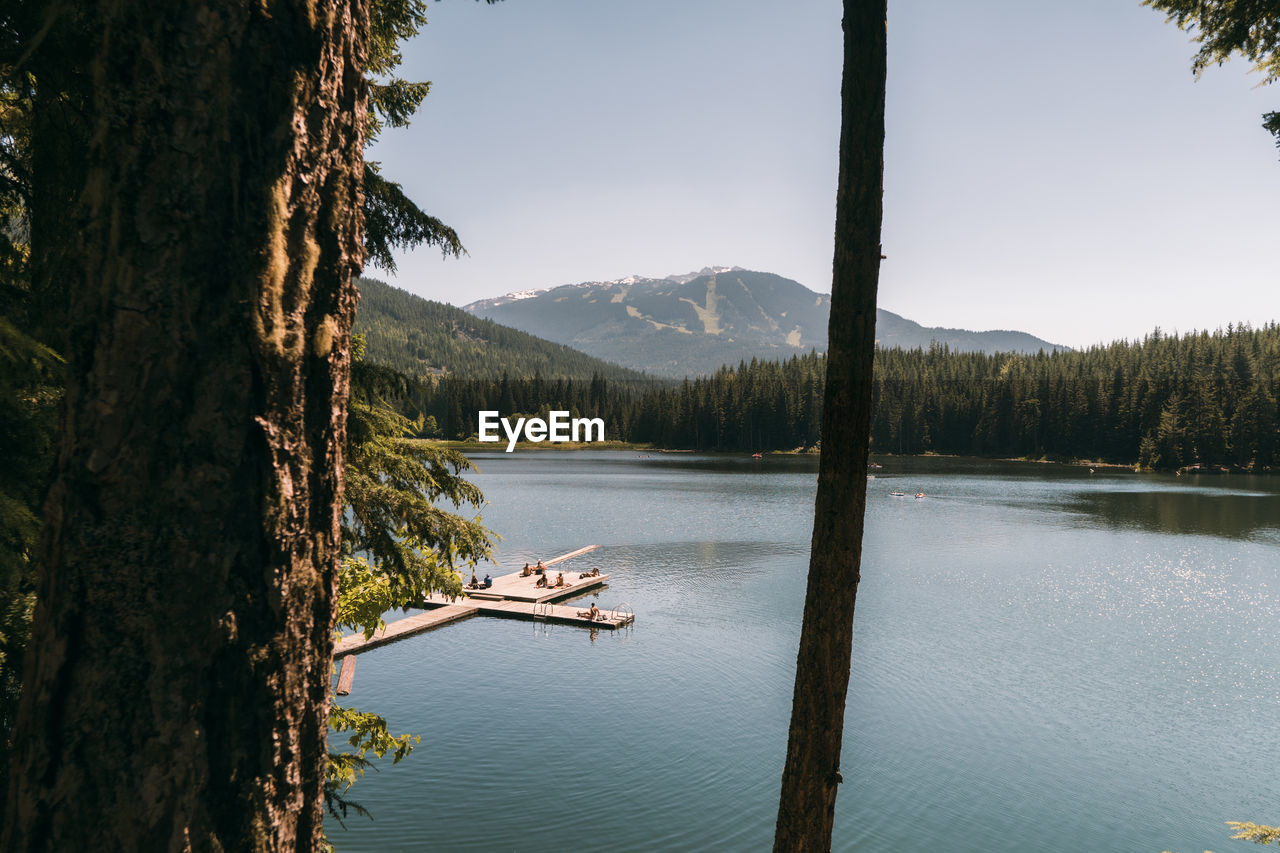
(919, 494)
(898, 494)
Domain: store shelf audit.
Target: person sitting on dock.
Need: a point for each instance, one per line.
(539, 569)
(542, 582)
(593, 614)
(475, 584)
(560, 580)
(526, 571)
(488, 582)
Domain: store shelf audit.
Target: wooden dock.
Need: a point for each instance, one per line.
(401, 628)
(564, 614)
(511, 597)
(570, 555)
(515, 587)
(346, 676)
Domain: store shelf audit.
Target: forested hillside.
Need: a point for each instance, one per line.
(1164, 402)
(419, 337)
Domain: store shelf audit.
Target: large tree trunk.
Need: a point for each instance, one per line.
(806, 808)
(177, 678)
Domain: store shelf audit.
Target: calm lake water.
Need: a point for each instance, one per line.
(1044, 660)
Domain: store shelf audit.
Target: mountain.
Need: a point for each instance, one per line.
(894, 331)
(419, 337)
(673, 326)
(692, 324)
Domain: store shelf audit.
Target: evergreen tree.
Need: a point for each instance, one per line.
(1224, 28)
(199, 476)
(266, 273)
(398, 546)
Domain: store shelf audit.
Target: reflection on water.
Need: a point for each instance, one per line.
(1044, 660)
(1218, 511)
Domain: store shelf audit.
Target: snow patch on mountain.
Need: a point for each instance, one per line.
(683, 278)
(524, 294)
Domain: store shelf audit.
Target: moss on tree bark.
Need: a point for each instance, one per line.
(178, 674)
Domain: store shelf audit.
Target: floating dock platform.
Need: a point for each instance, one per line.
(401, 628)
(511, 596)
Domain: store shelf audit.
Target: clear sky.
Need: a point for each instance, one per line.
(1051, 167)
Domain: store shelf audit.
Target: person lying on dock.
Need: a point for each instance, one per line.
(593, 614)
(594, 573)
(526, 571)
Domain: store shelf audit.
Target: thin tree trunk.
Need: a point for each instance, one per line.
(177, 677)
(806, 807)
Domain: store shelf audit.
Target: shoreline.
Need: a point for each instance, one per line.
(471, 446)
(501, 446)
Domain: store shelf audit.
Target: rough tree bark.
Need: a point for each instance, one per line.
(177, 678)
(806, 807)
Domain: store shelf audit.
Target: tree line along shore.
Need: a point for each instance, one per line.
(1206, 399)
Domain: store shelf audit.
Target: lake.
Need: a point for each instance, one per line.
(1045, 659)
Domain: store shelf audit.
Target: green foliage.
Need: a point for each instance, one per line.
(392, 220)
(399, 546)
(366, 594)
(368, 733)
(392, 22)
(396, 101)
(1254, 832)
(1271, 123)
(30, 388)
(15, 171)
(393, 522)
(1164, 402)
(765, 405)
(1224, 28)
(30, 377)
